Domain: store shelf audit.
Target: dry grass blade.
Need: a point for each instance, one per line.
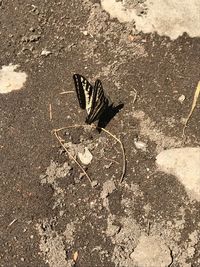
(196, 95)
(93, 126)
(123, 152)
(112, 160)
(11, 223)
(135, 96)
(50, 112)
(61, 142)
(66, 92)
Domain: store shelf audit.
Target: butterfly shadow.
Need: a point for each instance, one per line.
(108, 115)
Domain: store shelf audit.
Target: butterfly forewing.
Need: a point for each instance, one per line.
(84, 91)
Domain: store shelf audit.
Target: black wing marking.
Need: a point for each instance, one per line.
(99, 103)
(84, 91)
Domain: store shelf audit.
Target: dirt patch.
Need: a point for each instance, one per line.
(49, 210)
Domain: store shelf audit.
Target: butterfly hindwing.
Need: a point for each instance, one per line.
(99, 103)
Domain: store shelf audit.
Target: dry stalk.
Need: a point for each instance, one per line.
(61, 142)
(93, 126)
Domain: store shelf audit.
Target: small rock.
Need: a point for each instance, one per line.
(181, 98)
(108, 165)
(34, 37)
(94, 183)
(24, 39)
(45, 52)
(113, 229)
(140, 145)
(183, 121)
(32, 29)
(85, 157)
(81, 175)
(31, 38)
(85, 33)
(34, 8)
(61, 213)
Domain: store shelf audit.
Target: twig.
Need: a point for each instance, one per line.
(13, 221)
(123, 152)
(50, 112)
(61, 142)
(148, 228)
(112, 160)
(66, 92)
(93, 126)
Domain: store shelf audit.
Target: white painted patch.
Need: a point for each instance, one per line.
(117, 10)
(170, 18)
(10, 80)
(184, 163)
(151, 252)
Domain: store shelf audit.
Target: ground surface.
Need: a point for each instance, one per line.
(49, 210)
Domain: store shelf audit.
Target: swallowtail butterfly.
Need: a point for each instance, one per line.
(91, 98)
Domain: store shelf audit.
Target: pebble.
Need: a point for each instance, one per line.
(85, 33)
(181, 98)
(94, 183)
(85, 157)
(140, 145)
(45, 52)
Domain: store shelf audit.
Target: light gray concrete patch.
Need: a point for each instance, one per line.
(10, 79)
(169, 18)
(184, 163)
(151, 251)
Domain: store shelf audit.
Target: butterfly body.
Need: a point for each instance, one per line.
(91, 98)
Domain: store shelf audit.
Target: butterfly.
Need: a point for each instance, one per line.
(91, 98)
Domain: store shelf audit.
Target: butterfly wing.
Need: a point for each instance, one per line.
(99, 103)
(84, 91)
